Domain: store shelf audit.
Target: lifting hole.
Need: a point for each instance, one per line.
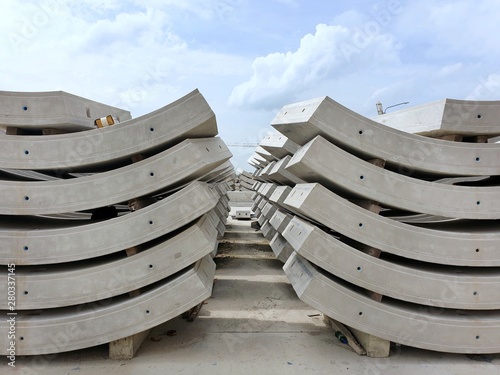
(151, 129)
(25, 108)
(26, 248)
(359, 269)
(150, 266)
(152, 174)
(479, 116)
(361, 177)
(360, 313)
(26, 152)
(360, 132)
(360, 225)
(26, 198)
(150, 222)
(478, 159)
(25, 292)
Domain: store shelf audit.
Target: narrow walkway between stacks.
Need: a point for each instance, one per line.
(253, 324)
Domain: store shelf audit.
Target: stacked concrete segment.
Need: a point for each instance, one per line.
(393, 234)
(447, 117)
(110, 231)
(43, 112)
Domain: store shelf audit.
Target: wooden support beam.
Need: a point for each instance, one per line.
(378, 162)
(137, 157)
(132, 251)
(52, 131)
(193, 312)
(451, 137)
(138, 203)
(478, 139)
(368, 205)
(126, 347)
(375, 347)
(371, 251)
(14, 131)
(351, 340)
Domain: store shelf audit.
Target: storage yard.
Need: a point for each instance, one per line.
(355, 245)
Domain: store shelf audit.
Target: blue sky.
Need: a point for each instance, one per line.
(249, 58)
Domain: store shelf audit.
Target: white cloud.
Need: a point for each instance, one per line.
(122, 56)
(332, 50)
(486, 89)
(450, 69)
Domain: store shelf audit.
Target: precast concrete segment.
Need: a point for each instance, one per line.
(65, 329)
(187, 117)
(321, 161)
(278, 145)
(458, 288)
(281, 175)
(222, 188)
(176, 166)
(265, 154)
(423, 219)
(40, 242)
(54, 110)
(240, 196)
(261, 219)
(267, 230)
(244, 176)
(303, 121)
(262, 186)
(470, 247)
(262, 203)
(281, 248)
(267, 190)
(217, 221)
(446, 116)
(267, 169)
(268, 210)
(256, 202)
(253, 163)
(279, 195)
(219, 174)
(259, 160)
(280, 220)
(444, 330)
(214, 219)
(25, 175)
(259, 177)
(73, 285)
(221, 211)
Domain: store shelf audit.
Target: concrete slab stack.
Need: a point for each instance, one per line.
(107, 231)
(393, 234)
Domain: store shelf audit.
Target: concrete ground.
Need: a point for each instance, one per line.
(253, 324)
